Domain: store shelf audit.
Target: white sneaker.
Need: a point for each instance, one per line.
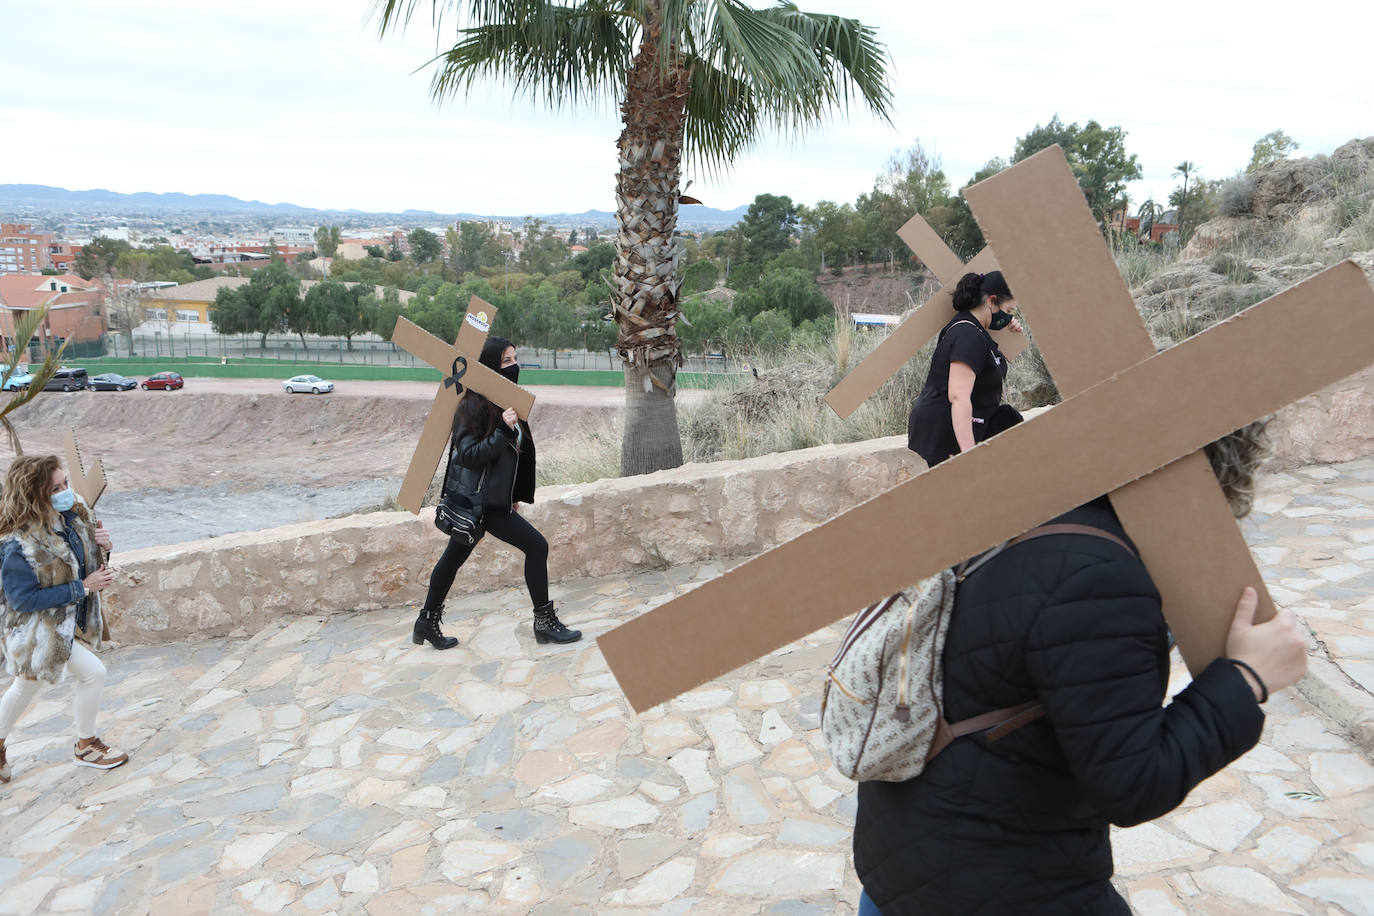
(92, 752)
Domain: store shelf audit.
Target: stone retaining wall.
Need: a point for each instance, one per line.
(686, 515)
(697, 512)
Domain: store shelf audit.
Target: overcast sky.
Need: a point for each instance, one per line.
(299, 101)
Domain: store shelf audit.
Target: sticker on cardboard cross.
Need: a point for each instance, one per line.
(461, 371)
(88, 485)
(923, 324)
(1133, 421)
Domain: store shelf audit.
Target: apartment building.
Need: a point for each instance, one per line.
(24, 251)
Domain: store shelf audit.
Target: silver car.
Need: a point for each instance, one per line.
(311, 383)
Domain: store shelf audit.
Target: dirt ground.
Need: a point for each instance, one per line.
(227, 455)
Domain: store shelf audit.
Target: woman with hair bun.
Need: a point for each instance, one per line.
(961, 403)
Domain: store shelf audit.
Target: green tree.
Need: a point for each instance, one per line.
(700, 77)
(912, 182)
(790, 291)
(375, 251)
(572, 238)
(98, 256)
(336, 308)
(268, 303)
(699, 277)
(424, 246)
(1098, 156)
(1272, 147)
(953, 221)
(327, 241)
(768, 227)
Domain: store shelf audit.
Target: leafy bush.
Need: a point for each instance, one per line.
(1236, 196)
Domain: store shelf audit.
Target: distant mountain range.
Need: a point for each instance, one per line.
(47, 197)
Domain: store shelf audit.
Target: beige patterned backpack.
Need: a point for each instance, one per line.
(882, 709)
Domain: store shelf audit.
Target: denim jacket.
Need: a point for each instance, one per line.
(21, 585)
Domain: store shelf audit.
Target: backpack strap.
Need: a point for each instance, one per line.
(1003, 722)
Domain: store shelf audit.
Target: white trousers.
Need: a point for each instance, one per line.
(89, 674)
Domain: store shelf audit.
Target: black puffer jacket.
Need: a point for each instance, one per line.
(1021, 825)
(504, 473)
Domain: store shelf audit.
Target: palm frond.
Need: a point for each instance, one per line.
(851, 59)
(559, 56)
(24, 330)
(722, 118)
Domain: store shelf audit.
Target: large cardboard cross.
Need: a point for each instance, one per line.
(1114, 429)
(1056, 258)
(461, 371)
(89, 485)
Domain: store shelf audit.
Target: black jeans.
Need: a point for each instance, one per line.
(504, 526)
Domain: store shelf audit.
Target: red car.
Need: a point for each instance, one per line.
(163, 381)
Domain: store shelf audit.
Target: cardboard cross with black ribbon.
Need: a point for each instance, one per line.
(1128, 413)
(461, 372)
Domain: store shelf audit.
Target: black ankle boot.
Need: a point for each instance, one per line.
(548, 628)
(427, 630)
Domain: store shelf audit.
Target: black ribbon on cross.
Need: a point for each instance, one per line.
(453, 380)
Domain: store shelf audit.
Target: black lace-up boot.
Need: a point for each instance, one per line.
(548, 628)
(427, 630)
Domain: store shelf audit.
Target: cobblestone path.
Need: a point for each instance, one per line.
(327, 765)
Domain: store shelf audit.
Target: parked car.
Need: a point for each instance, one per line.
(18, 381)
(311, 383)
(67, 380)
(112, 381)
(163, 381)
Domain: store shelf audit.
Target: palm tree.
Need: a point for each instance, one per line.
(25, 329)
(702, 78)
(1148, 215)
(1184, 169)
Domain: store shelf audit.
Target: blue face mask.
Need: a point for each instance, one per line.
(63, 500)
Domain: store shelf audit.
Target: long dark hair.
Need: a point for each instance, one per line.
(972, 288)
(475, 412)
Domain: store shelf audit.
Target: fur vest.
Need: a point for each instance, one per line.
(38, 644)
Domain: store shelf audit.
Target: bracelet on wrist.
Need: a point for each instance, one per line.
(1264, 690)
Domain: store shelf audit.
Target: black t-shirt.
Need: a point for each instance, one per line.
(930, 429)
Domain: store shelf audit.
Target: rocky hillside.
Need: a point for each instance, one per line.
(1279, 225)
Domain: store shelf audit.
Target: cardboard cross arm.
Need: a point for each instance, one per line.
(461, 371)
(90, 485)
(1117, 431)
(921, 326)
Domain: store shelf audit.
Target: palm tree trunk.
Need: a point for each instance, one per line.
(648, 255)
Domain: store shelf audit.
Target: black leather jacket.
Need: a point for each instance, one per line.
(492, 463)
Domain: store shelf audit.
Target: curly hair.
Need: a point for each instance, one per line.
(1235, 459)
(27, 500)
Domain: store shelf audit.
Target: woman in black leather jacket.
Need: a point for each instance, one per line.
(491, 465)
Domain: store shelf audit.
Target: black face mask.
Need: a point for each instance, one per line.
(511, 372)
(999, 321)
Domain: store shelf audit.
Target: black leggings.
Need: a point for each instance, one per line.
(504, 526)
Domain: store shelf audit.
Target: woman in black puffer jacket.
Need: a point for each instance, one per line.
(1020, 825)
(491, 465)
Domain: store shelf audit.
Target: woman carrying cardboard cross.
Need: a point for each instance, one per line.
(491, 469)
(961, 403)
(1018, 824)
(52, 572)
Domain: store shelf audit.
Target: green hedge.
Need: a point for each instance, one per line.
(210, 367)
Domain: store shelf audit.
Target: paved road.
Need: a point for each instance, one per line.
(568, 395)
(326, 765)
